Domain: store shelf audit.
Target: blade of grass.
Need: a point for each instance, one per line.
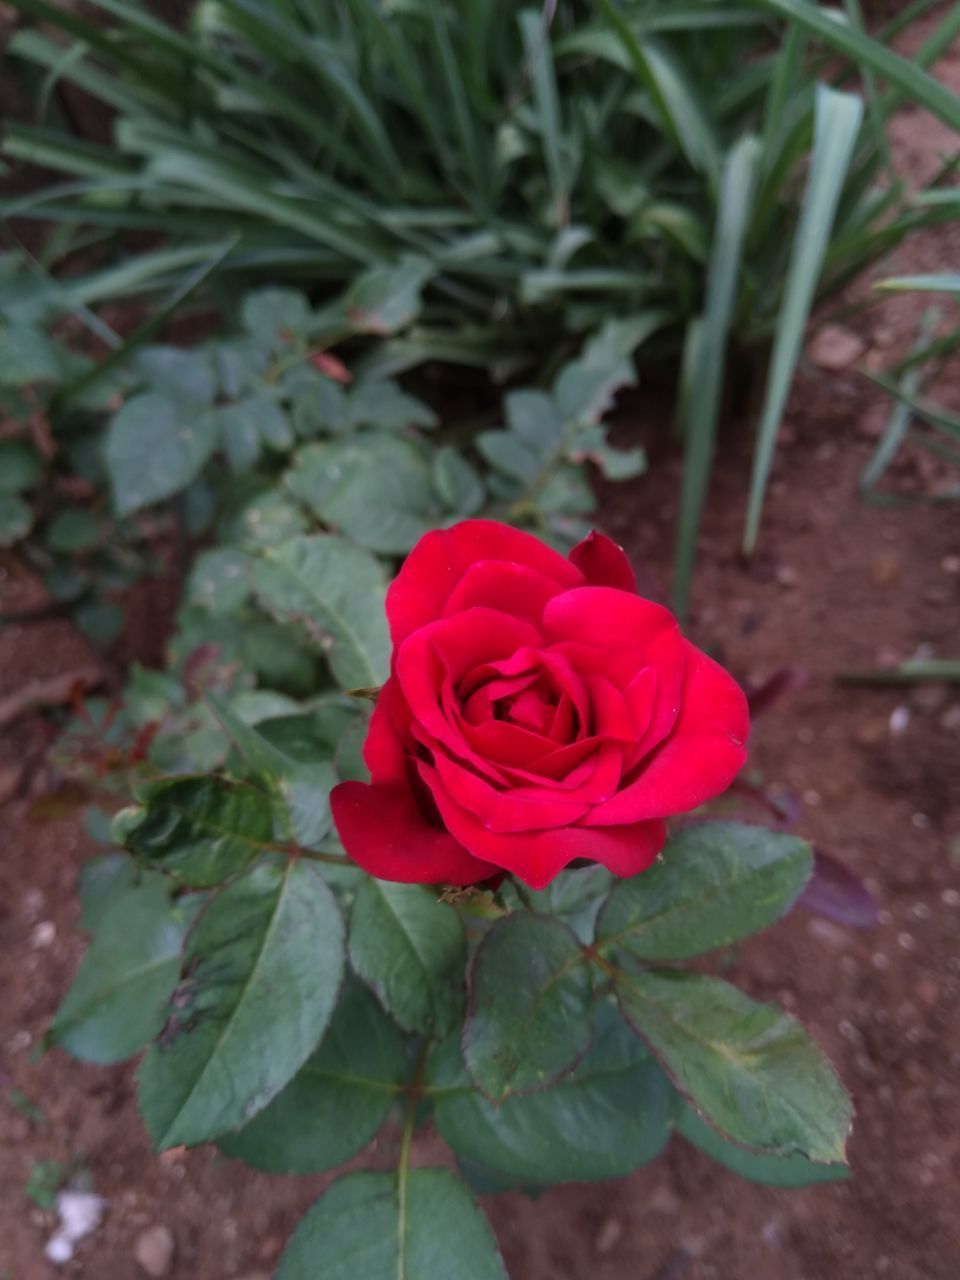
(152, 325)
(945, 282)
(701, 406)
(837, 123)
(536, 44)
(912, 671)
(901, 415)
(948, 423)
(921, 88)
(682, 117)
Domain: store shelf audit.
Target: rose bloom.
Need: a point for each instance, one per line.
(538, 711)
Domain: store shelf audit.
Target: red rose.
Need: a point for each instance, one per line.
(538, 710)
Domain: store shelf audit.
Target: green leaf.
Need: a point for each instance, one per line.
(375, 488)
(716, 882)
(178, 374)
(202, 830)
(265, 520)
(529, 1001)
(276, 317)
(611, 1115)
(365, 1227)
(836, 126)
(319, 404)
(772, 1171)
(154, 448)
(410, 949)
(220, 580)
(27, 356)
(386, 299)
(16, 519)
(750, 1069)
(381, 403)
(574, 896)
(338, 1099)
(101, 621)
(118, 999)
(535, 418)
(262, 971)
(73, 529)
(300, 780)
(336, 592)
(20, 466)
(511, 455)
(457, 482)
(249, 425)
(104, 879)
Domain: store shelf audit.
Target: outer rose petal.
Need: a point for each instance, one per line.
(384, 749)
(440, 559)
(603, 562)
(537, 856)
(605, 618)
(503, 585)
(385, 833)
(700, 758)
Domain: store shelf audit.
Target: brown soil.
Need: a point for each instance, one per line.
(838, 585)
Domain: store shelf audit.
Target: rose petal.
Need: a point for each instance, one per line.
(446, 651)
(501, 584)
(605, 618)
(603, 562)
(700, 758)
(385, 833)
(502, 810)
(440, 559)
(537, 856)
(385, 746)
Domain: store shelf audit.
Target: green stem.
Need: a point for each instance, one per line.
(336, 859)
(414, 1093)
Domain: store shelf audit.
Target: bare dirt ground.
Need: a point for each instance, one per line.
(838, 585)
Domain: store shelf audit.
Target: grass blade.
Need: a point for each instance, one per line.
(836, 126)
(701, 402)
(946, 282)
(922, 89)
(536, 44)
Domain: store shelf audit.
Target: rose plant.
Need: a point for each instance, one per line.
(467, 910)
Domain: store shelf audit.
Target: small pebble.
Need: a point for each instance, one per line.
(43, 934)
(609, 1235)
(834, 348)
(154, 1250)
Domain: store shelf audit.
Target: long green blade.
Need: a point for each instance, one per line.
(701, 407)
(837, 123)
(921, 88)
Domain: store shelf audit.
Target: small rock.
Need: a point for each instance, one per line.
(927, 991)
(609, 1235)
(885, 569)
(870, 732)
(950, 720)
(42, 934)
(154, 1250)
(950, 564)
(80, 1213)
(10, 776)
(825, 931)
(664, 1200)
(787, 576)
(899, 721)
(930, 698)
(835, 349)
